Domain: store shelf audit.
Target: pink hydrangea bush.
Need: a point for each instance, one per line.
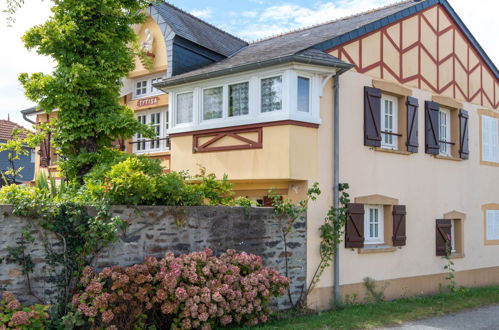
(14, 316)
(192, 291)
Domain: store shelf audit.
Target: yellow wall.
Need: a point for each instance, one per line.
(286, 154)
(159, 49)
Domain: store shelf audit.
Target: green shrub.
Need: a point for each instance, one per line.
(14, 316)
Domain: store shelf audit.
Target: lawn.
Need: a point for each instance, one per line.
(391, 312)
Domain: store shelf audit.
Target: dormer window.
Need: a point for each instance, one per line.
(141, 88)
(144, 87)
(271, 94)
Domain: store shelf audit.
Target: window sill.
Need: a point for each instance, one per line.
(393, 151)
(456, 159)
(489, 163)
(377, 249)
(456, 255)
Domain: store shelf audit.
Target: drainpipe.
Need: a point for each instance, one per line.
(336, 179)
(25, 117)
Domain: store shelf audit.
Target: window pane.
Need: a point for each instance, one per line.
(238, 99)
(212, 103)
(303, 94)
(271, 94)
(184, 108)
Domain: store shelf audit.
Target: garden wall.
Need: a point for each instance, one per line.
(153, 230)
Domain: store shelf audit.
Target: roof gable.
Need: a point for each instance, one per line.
(6, 128)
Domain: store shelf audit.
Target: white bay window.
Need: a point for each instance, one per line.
(212, 103)
(248, 98)
(271, 94)
(183, 111)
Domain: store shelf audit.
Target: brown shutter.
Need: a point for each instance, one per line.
(464, 151)
(432, 144)
(399, 236)
(45, 152)
(354, 232)
(372, 116)
(443, 232)
(412, 124)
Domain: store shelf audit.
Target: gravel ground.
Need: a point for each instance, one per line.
(485, 318)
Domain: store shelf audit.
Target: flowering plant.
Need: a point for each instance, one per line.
(14, 316)
(192, 291)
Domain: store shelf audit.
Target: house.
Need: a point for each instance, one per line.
(7, 161)
(400, 102)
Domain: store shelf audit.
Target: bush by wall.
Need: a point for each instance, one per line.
(192, 291)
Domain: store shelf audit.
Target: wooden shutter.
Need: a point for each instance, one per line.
(443, 232)
(464, 151)
(412, 124)
(354, 232)
(372, 116)
(399, 237)
(432, 144)
(45, 152)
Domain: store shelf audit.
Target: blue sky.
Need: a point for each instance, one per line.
(248, 19)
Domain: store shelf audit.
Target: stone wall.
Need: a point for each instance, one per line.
(153, 231)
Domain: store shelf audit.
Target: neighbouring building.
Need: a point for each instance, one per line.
(415, 102)
(25, 162)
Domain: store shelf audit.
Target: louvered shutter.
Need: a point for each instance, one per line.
(443, 239)
(354, 232)
(45, 152)
(372, 116)
(464, 151)
(399, 236)
(412, 124)
(432, 145)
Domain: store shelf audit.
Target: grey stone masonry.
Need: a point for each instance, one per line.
(153, 231)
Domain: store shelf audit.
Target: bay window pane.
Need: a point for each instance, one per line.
(212, 103)
(303, 94)
(184, 108)
(238, 99)
(271, 89)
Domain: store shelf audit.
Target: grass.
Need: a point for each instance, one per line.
(391, 312)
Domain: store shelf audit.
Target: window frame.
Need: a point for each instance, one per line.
(395, 118)
(490, 236)
(260, 101)
(448, 133)
(368, 239)
(223, 112)
(175, 109)
(162, 136)
(490, 144)
(309, 103)
(150, 90)
(228, 98)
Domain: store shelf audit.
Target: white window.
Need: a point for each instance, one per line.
(213, 103)
(303, 94)
(155, 119)
(453, 236)
(492, 217)
(271, 94)
(141, 88)
(32, 156)
(184, 108)
(389, 122)
(238, 99)
(444, 132)
(490, 139)
(373, 224)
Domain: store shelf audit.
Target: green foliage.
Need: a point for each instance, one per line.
(331, 233)
(19, 255)
(14, 316)
(92, 45)
(449, 268)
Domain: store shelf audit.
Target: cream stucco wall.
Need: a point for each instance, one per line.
(428, 186)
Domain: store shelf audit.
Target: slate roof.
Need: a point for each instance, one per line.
(6, 127)
(294, 42)
(198, 31)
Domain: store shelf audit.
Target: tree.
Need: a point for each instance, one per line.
(91, 43)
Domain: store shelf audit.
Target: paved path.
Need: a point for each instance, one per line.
(485, 318)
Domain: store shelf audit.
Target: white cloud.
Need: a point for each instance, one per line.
(15, 59)
(202, 13)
